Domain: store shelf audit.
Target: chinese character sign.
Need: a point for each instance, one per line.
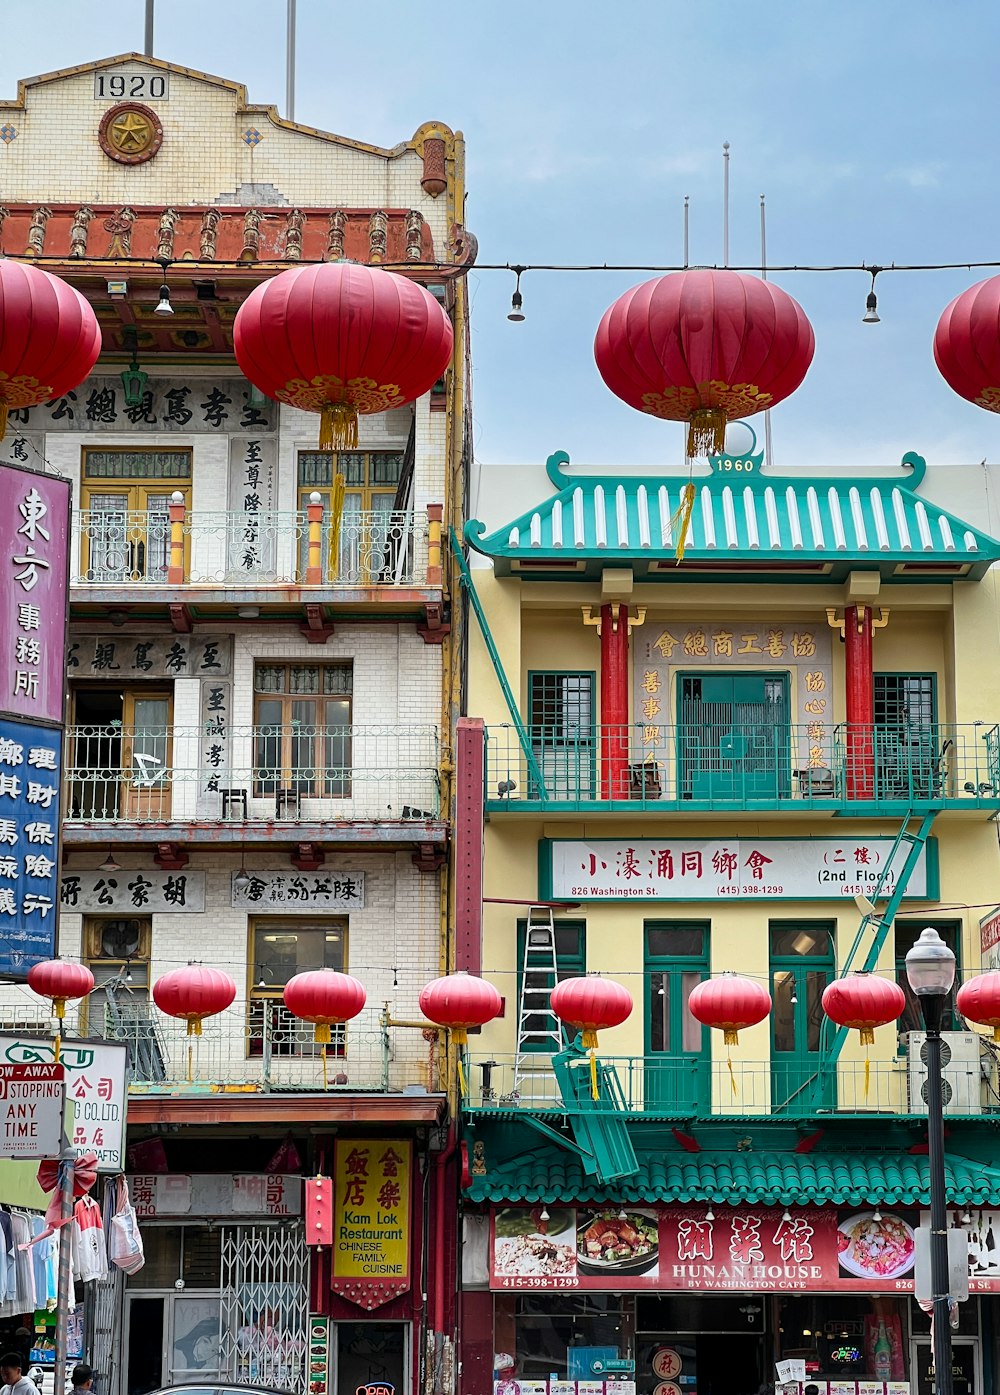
(30, 773)
(989, 939)
(202, 405)
(119, 659)
(688, 869)
(371, 1207)
(95, 1088)
(34, 528)
(274, 892)
(131, 891)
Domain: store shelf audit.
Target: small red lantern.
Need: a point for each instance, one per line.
(591, 1004)
(323, 997)
(863, 1001)
(60, 980)
(729, 1003)
(317, 1207)
(967, 344)
(979, 1001)
(460, 1001)
(49, 337)
(194, 993)
(342, 339)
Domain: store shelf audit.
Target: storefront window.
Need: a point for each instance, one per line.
(563, 1336)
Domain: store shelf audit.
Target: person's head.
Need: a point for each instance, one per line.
(11, 1367)
(82, 1377)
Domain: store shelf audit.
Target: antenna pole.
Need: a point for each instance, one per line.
(725, 203)
(687, 220)
(290, 63)
(147, 48)
(763, 277)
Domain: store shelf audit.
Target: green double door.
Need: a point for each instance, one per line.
(802, 964)
(678, 1068)
(734, 737)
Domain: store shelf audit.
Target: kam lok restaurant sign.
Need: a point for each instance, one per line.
(371, 1208)
(709, 869)
(739, 1249)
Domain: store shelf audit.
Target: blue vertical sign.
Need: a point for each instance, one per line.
(30, 780)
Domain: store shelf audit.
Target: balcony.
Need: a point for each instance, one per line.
(727, 766)
(255, 781)
(158, 558)
(671, 1087)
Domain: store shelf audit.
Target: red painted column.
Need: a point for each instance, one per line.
(860, 696)
(614, 701)
(470, 757)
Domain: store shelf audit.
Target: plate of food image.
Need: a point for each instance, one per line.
(609, 1242)
(875, 1249)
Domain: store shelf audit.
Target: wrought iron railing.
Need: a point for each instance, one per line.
(246, 549)
(744, 764)
(297, 773)
(692, 1087)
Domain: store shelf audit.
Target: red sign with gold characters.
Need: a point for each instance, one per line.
(736, 1249)
(371, 1207)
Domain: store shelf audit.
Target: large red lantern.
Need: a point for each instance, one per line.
(729, 1003)
(324, 997)
(59, 980)
(49, 338)
(460, 1001)
(342, 339)
(590, 1005)
(863, 1001)
(194, 993)
(967, 344)
(979, 1000)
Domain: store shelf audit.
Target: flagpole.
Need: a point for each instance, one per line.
(725, 203)
(763, 275)
(147, 46)
(290, 63)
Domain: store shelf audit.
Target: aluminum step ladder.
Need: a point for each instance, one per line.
(539, 1030)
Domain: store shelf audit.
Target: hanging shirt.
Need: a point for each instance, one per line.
(7, 1262)
(22, 1262)
(39, 1257)
(90, 1253)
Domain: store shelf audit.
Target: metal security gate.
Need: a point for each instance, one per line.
(265, 1304)
(103, 1324)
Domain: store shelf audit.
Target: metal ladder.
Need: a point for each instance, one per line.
(539, 1031)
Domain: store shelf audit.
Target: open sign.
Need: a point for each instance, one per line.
(376, 1388)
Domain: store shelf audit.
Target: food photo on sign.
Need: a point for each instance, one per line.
(875, 1245)
(613, 1241)
(534, 1243)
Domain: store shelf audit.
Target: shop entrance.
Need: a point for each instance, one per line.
(965, 1375)
(703, 1344)
(371, 1353)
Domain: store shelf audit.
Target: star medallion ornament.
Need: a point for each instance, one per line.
(130, 133)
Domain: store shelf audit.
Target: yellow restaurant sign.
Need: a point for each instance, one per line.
(371, 1208)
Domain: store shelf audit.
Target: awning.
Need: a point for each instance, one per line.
(845, 1178)
(745, 520)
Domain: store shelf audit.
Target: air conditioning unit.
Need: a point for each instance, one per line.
(961, 1083)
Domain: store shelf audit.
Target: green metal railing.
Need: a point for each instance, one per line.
(748, 764)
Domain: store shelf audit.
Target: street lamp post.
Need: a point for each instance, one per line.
(930, 969)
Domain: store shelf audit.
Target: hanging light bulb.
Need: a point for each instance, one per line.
(623, 1214)
(128, 972)
(710, 1214)
(516, 301)
(966, 1217)
(109, 864)
(164, 307)
(663, 986)
(794, 998)
(786, 1215)
(543, 1214)
(876, 1214)
(871, 304)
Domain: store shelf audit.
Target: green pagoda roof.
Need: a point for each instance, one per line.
(840, 1178)
(744, 521)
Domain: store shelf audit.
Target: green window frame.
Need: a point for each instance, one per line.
(905, 933)
(674, 950)
(571, 962)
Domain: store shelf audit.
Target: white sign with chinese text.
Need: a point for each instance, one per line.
(705, 869)
(264, 892)
(95, 1083)
(31, 1110)
(989, 939)
(130, 890)
(215, 1194)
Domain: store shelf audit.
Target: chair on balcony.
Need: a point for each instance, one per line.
(644, 781)
(816, 780)
(288, 801)
(234, 803)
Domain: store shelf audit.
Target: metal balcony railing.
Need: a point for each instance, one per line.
(744, 764)
(296, 773)
(691, 1087)
(124, 548)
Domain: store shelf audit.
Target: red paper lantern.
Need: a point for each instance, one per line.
(324, 996)
(49, 338)
(979, 1000)
(194, 993)
(60, 979)
(967, 344)
(705, 347)
(729, 1003)
(342, 339)
(460, 1001)
(590, 1004)
(863, 1001)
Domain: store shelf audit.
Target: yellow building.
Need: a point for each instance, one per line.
(785, 748)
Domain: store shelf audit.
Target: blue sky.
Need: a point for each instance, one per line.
(870, 127)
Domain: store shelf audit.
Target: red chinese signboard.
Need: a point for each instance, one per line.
(736, 1249)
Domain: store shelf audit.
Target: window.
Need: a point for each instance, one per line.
(536, 979)
(374, 541)
(279, 949)
(676, 962)
(905, 700)
(560, 708)
(302, 738)
(125, 496)
(117, 954)
(907, 932)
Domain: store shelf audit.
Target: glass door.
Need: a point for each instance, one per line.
(146, 746)
(371, 1354)
(127, 533)
(965, 1373)
(734, 739)
(678, 1073)
(802, 964)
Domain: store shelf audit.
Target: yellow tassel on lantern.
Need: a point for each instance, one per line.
(336, 517)
(459, 1039)
(706, 432)
(590, 1045)
(194, 1027)
(867, 1036)
(321, 1034)
(326, 1082)
(3, 420)
(338, 427)
(682, 518)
